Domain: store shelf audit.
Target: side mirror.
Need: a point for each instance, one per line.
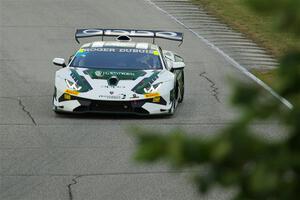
(178, 58)
(178, 65)
(59, 62)
(168, 57)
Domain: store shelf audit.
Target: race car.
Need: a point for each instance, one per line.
(120, 76)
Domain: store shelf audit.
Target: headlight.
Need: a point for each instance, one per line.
(72, 85)
(152, 88)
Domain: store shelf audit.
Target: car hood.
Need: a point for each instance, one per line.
(98, 83)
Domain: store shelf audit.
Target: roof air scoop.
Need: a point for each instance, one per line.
(123, 38)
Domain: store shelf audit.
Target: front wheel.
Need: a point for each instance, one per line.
(173, 108)
(181, 89)
(54, 108)
(174, 101)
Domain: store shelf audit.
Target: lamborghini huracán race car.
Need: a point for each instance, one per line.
(120, 76)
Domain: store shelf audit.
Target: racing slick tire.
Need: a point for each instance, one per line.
(180, 100)
(174, 101)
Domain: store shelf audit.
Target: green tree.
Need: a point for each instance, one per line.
(237, 156)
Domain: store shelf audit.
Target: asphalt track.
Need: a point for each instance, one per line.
(44, 156)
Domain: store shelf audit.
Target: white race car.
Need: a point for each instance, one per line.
(120, 76)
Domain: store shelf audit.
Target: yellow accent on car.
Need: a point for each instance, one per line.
(156, 53)
(156, 99)
(72, 92)
(67, 96)
(81, 50)
(152, 95)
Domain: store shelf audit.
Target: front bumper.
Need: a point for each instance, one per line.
(139, 106)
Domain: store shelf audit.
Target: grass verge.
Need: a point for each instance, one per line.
(260, 29)
(268, 76)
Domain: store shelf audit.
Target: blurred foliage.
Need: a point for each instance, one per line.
(237, 156)
(287, 12)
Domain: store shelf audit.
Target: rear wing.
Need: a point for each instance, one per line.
(169, 35)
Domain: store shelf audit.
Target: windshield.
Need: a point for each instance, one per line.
(117, 58)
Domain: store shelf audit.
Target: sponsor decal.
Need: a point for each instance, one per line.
(114, 73)
(152, 95)
(72, 92)
(108, 86)
(123, 96)
(99, 73)
(100, 49)
(115, 97)
(124, 50)
(120, 74)
(109, 97)
(134, 96)
(119, 50)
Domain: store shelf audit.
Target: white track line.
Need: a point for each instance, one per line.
(228, 58)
